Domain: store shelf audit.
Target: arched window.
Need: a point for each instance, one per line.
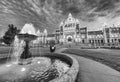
(69, 39)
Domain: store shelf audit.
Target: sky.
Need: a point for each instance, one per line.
(49, 13)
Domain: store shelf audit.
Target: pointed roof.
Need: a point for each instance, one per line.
(118, 25)
(38, 32)
(70, 18)
(61, 23)
(105, 24)
(45, 31)
(77, 21)
(70, 15)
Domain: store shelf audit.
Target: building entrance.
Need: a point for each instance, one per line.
(69, 39)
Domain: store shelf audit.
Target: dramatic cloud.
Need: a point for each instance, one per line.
(49, 13)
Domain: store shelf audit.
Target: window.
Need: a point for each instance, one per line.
(119, 40)
(102, 41)
(95, 41)
(83, 41)
(98, 41)
(108, 40)
(112, 40)
(89, 41)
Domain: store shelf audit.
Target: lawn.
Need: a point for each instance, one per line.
(5, 51)
(108, 57)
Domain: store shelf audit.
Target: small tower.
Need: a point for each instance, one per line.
(104, 27)
(70, 18)
(70, 15)
(45, 36)
(38, 33)
(61, 24)
(45, 32)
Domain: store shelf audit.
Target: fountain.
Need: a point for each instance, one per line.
(24, 67)
(26, 55)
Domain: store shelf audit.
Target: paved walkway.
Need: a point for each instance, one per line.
(92, 71)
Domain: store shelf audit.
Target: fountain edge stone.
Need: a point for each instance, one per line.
(71, 74)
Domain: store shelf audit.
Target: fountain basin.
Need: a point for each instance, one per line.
(27, 37)
(47, 68)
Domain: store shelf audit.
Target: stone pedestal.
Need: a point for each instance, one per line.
(26, 53)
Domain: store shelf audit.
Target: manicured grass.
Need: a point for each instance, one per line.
(5, 51)
(110, 58)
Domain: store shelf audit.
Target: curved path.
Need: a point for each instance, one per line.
(92, 71)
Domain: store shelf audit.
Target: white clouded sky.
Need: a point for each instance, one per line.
(49, 13)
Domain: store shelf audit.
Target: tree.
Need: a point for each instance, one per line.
(8, 38)
(1, 40)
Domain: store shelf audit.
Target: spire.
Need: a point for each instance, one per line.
(61, 24)
(77, 21)
(70, 15)
(118, 25)
(104, 25)
(38, 32)
(45, 31)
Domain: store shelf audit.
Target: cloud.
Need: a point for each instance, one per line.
(49, 13)
(88, 10)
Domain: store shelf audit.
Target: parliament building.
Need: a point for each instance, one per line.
(69, 31)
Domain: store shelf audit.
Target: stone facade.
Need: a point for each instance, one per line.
(96, 38)
(112, 36)
(42, 38)
(69, 30)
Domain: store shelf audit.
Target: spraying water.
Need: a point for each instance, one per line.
(17, 50)
(19, 44)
